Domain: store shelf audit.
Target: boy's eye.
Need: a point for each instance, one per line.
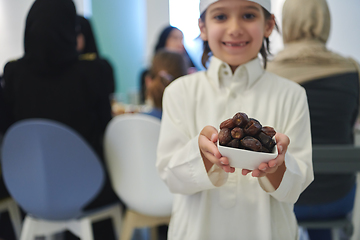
(249, 16)
(220, 17)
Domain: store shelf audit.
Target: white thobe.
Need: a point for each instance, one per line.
(216, 205)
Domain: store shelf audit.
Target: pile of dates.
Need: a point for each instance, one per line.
(246, 133)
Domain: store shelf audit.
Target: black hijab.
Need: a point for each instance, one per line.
(50, 36)
(86, 30)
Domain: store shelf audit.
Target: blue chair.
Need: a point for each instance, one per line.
(52, 173)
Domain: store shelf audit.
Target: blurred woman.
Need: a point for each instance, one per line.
(166, 67)
(87, 47)
(51, 81)
(331, 82)
(171, 39)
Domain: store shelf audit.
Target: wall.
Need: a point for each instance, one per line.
(127, 31)
(157, 18)
(345, 29)
(12, 26)
(119, 27)
(344, 34)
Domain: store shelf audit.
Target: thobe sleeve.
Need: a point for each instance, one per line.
(179, 162)
(298, 158)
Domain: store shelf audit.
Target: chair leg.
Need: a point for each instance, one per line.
(50, 237)
(114, 213)
(154, 233)
(27, 232)
(86, 230)
(335, 234)
(356, 211)
(128, 226)
(15, 217)
(116, 221)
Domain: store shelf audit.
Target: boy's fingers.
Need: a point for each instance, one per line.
(228, 169)
(214, 137)
(209, 148)
(245, 172)
(208, 131)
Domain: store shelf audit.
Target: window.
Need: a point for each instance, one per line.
(184, 15)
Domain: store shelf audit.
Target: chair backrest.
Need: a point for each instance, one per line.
(130, 144)
(49, 169)
(333, 159)
(336, 158)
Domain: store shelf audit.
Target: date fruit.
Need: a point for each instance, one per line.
(251, 143)
(266, 140)
(253, 127)
(235, 143)
(224, 136)
(227, 124)
(268, 131)
(243, 132)
(237, 133)
(240, 119)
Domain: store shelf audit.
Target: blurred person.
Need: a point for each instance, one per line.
(171, 39)
(87, 47)
(331, 82)
(166, 67)
(51, 81)
(212, 199)
(6, 228)
(4, 112)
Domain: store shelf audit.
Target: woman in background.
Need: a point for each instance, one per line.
(332, 87)
(51, 81)
(171, 39)
(87, 47)
(166, 67)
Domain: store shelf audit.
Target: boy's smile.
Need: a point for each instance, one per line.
(235, 30)
(235, 44)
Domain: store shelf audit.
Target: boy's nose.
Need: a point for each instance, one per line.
(235, 28)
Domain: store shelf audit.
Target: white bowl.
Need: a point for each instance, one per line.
(246, 159)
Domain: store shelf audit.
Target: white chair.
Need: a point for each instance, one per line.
(356, 210)
(130, 144)
(52, 173)
(9, 205)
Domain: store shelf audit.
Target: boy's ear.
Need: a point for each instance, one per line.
(203, 33)
(269, 26)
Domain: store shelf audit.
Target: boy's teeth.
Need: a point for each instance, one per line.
(235, 44)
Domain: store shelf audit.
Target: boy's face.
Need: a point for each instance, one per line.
(235, 30)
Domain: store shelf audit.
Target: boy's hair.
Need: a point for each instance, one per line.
(166, 67)
(264, 51)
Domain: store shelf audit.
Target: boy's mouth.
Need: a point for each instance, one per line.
(238, 44)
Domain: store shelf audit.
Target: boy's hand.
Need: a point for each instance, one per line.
(282, 143)
(209, 151)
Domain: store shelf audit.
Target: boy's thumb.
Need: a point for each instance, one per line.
(213, 137)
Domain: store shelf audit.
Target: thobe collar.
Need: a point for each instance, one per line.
(244, 77)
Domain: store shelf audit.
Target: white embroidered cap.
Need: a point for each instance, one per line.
(264, 3)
